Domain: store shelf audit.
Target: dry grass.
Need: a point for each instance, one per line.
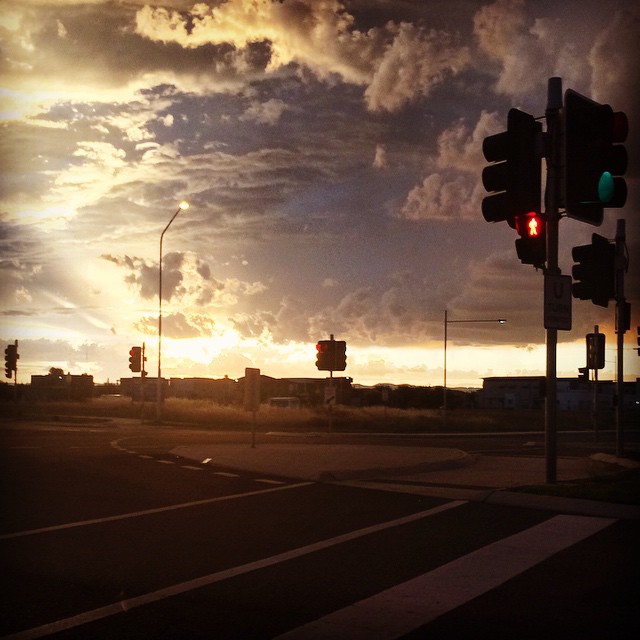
(377, 419)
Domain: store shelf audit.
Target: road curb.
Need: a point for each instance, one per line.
(575, 506)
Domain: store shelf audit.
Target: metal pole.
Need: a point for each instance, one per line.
(620, 264)
(159, 381)
(594, 396)
(444, 385)
(554, 130)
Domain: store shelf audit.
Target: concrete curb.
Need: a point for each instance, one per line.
(461, 460)
(575, 506)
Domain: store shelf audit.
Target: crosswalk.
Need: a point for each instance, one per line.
(396, 611)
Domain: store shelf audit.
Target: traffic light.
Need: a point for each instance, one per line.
(514, 177)
(325, 355)
(331, 355)
(594, 159)
(595, 350)
(135, 359)
(11, 357)
(595, 272)
(531, 247)
(340, 361)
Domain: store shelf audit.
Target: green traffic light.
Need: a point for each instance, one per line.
(606, 187)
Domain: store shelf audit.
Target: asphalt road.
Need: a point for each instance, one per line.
(100, 542)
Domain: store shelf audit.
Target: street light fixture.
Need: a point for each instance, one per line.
(181, 207)
(447, 322)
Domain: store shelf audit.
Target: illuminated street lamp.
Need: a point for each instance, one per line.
(447, 322)
(181, 207)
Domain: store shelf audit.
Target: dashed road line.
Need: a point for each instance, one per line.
(191, 467)
(226, 474)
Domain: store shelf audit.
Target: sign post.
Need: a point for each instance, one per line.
(252, 397)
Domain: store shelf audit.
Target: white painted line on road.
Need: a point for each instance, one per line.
(145, 457)
(267, 481)
(191, 467)
(401, 609)
(224, 474)
(165, 461)
(206, 461)
(146, 512)
(189, 585)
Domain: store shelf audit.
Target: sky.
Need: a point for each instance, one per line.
(331, 154)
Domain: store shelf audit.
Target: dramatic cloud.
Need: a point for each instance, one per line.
(331, 152)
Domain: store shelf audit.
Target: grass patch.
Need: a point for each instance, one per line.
(378, 419)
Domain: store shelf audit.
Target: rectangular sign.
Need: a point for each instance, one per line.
(557, 302)
(251, 389)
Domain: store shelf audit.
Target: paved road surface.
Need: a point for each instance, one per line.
(105, 533)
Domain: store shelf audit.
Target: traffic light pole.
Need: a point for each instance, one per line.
(620, 331)
(554, 130)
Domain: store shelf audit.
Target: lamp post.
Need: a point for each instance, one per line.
(181, 207)
(447, 322)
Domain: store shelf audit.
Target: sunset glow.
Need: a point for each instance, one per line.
(329, 155)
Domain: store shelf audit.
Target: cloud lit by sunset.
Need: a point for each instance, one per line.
(331, 154)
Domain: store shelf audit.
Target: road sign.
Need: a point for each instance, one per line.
(557, 302)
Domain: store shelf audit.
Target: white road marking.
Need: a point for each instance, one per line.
(267, 481)
(191, 467)
(165, 461)
(146, 512)
(224, 474)
(189, 585)
(399, 610)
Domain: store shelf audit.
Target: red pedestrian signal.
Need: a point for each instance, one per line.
(531, 247)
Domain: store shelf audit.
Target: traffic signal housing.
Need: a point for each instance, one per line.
(10, 360)
(514, 178)
(331, 355)
(531, 247)
(324, 355)
(340, 362)
(595, 271)
(135, 359)
(594, 159)
(595, 350)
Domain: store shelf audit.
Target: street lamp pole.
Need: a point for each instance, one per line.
(181, 207)
(446, 323)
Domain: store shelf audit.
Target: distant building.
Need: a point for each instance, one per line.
(307, 391)
(528, 393)
(61, 387)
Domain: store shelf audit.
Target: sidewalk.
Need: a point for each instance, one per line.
(440, 472)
